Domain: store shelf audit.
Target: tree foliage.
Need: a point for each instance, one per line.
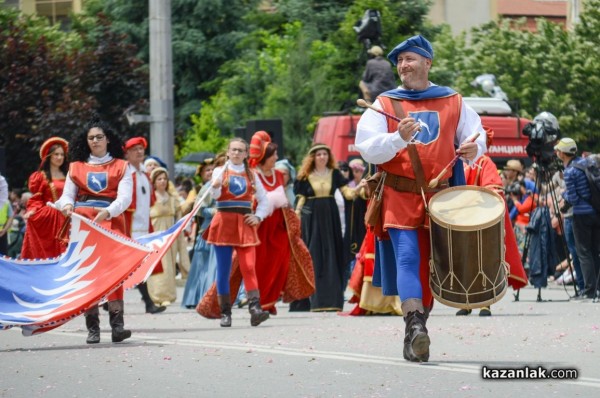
(552, 69)
(309, 64)
(51, 82)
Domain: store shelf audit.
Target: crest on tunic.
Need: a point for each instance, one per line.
(430, 125)
(237, 185)
(97, 181)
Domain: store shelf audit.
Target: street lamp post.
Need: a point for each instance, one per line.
(161, 82)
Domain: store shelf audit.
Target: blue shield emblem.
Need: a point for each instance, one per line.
(97, 182)
(237, 185)
(430, 126)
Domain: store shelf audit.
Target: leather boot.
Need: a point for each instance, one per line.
(92, 322)
(117, 323)
(257, 315)
(416, 340)
(225, 305)
(151, 308)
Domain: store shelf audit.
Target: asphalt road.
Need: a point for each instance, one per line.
(179, 354)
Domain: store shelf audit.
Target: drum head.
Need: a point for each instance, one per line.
(466, 208)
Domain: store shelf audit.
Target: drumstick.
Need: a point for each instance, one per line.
(433, 183)
(364, 104)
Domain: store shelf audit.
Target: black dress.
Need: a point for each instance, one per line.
(322, 234)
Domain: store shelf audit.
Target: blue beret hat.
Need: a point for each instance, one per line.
(416, 44)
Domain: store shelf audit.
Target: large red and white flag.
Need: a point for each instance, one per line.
(40, 295)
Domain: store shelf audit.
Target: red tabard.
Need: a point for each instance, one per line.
(99, 180)
(406, 210)
(227, 228)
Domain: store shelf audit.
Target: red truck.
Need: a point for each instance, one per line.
(338, 130)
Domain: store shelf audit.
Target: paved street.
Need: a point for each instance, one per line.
(178, 353)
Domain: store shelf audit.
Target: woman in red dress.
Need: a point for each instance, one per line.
(273, 255)
(44, 223)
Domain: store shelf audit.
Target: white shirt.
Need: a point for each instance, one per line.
(262, 209)
(141, 216)
(377, 146)
(118, 206)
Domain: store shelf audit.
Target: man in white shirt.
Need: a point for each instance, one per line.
(138, 214)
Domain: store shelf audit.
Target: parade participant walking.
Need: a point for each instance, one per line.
(203, 268)
(413, 152)
(44, 223)
(234, 226)
(317, 182)
(137, 216)
(99, 186)
(277, 244)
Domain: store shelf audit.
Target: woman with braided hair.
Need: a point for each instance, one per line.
(234, 226)
(44, 223)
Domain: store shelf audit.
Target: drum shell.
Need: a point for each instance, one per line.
(467, 267)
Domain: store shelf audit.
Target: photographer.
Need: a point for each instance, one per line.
(586, 221)
(524, 202)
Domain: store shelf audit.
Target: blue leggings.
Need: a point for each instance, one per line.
(223, 254)
(406, 250)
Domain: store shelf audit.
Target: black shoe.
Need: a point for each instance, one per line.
(485, 311)
(93, 338)
(463, 311)
(152, 308)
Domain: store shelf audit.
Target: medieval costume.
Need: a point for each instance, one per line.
(43, 233)
(203, 270)
(322, 234)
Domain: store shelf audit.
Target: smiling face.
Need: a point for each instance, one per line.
(97, 141)
(413, 70)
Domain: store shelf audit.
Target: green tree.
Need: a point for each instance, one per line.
(205, 35)
(301, 68)
(52, 81)
(535, 69)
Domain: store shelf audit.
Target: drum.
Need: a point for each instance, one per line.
(467, 267)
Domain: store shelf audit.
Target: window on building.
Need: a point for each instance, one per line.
(57, 11)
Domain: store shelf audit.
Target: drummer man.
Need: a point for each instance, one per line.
(429, 114)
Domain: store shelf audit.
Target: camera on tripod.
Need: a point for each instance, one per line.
(514, 189)
(543, 132)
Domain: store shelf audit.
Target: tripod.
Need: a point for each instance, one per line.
(544, 186)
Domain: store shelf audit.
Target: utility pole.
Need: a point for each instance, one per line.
(161, 83)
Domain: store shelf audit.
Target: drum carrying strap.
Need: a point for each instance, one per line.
(415, 160)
